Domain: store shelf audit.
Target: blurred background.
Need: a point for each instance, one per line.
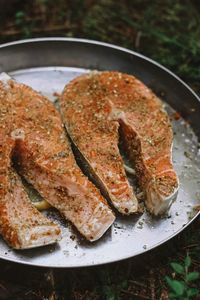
(169, 32)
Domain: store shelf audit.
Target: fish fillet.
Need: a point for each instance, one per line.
(44, 157)
(93, 107)
(21, 224)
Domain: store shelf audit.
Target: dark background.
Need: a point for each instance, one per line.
(167, 31)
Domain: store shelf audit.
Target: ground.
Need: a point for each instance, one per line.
(167, 31)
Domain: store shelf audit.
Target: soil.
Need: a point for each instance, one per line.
(167, 32)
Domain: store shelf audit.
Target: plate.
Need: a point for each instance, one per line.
(47, 64)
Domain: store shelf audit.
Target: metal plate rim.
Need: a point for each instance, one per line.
(104, 263)
(109, 45)
(112, 46)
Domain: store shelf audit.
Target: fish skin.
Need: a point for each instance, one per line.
(100, 102)
(44, 157)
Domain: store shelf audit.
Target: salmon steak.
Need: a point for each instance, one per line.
(95, 107)
(21, 224)
(43, 156)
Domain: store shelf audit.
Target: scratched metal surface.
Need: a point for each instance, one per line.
(47, 65)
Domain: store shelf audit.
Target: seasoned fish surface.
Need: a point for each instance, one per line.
(93, 106)
(44, 158)
(21, 224)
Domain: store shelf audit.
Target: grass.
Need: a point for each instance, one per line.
(182, 284)
(168, 32)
